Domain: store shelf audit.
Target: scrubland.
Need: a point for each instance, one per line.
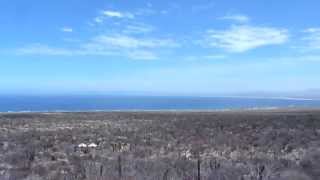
(217, 145)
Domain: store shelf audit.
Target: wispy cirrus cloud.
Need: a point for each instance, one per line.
(121, 15)
(107, 45)
(239, 18)
(98, 19)
(41, 49)
(242, 38)
(125, 41)
(118, 14)
(38, 49)
(312, 38)
(85, 50)
(66, 29)
(138, 28)
(112, 14)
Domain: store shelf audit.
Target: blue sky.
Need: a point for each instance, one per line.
(197, 47)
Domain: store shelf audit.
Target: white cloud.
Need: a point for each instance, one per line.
(240, 18)
(90, 50)
(243, 38)
(124, 41)
(129, 46)
(138, 29)
(127, 16)
(107, 45)
(98, 20)
(312, 30)
(312, 38)
(46, 50)
(118, 14)
(66, 29)
(40, 49)
(84, 50)
(105, 14)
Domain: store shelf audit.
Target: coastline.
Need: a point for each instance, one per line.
(231, 110)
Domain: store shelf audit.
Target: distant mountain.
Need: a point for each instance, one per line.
(306, 94)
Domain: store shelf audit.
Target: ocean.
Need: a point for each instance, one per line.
(127, 103)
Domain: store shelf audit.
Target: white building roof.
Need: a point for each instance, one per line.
(92, 145)
(82, 145)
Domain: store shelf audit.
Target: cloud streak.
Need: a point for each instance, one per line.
(138, 28)
(312, 38)
(239, 18)
(125, 41)
(118, 14)
(66, 29)
(243, 38)
(40, 49)
(107, 45)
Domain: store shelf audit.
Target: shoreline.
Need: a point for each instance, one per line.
(266, 109)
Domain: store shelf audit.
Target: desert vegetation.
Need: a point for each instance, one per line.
(231, 145)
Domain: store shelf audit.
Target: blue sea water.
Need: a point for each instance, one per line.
(110, 103)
